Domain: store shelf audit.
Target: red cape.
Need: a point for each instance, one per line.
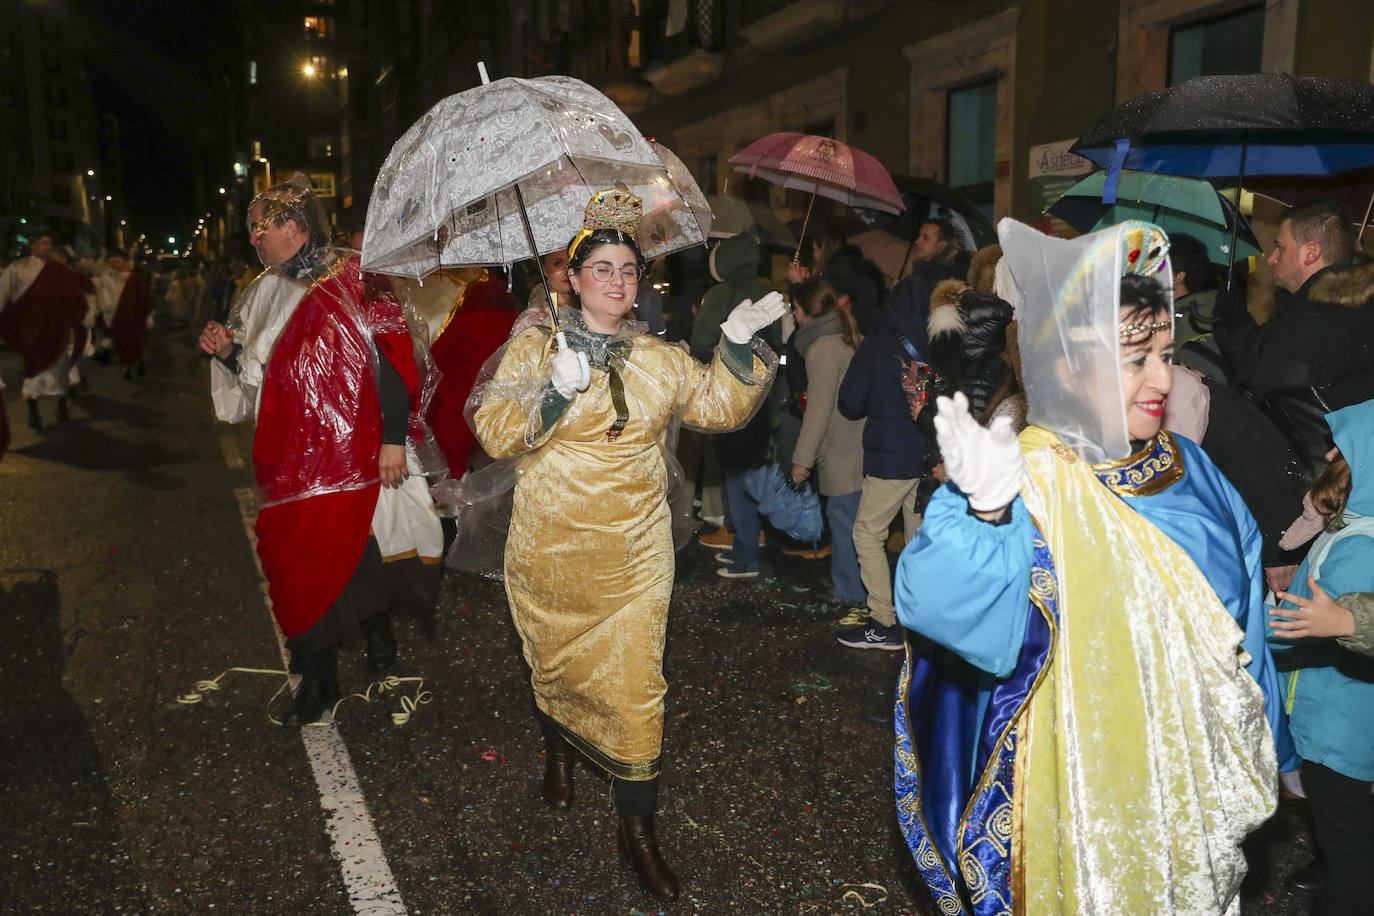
(318, 436)
(473, 333)
(129, 326)
(39, 322)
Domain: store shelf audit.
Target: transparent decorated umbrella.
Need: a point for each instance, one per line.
(503, 172)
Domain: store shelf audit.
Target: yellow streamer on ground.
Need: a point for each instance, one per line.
(374, 691)
(859, 898)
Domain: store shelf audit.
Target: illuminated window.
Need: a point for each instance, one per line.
(319, 27)
(252, 73)
(320, 65)
(323, 183)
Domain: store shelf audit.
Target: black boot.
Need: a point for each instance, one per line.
(319, 688)
(639, 847)
(63, 414)
(34, 419)
(1305, 881)
(557, 789)
(381, 643)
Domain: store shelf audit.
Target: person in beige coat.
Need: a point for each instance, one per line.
(829, 442)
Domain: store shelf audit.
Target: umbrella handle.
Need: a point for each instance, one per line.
(801, 238)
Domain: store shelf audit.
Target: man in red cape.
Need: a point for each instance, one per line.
(41, 304)
(323, 357)
(127, 307)
(476, 328)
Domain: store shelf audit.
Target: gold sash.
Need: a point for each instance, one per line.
(1145, 756)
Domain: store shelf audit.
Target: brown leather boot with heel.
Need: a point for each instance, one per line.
(639, 848)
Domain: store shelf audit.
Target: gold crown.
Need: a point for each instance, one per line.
(613, 208)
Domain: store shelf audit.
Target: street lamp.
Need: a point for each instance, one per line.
(90, 173)
(223, 191)
(308, 69)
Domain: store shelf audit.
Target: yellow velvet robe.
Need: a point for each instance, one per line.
(589, 559)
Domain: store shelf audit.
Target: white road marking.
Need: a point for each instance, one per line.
(233, 458)
(372, 889)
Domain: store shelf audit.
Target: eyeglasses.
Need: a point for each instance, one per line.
(604, 270)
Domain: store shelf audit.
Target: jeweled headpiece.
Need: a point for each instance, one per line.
(1144, 252)
(613, 208)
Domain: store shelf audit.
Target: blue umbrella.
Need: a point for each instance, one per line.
(1233, 126)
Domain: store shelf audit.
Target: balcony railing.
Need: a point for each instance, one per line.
(704, 30)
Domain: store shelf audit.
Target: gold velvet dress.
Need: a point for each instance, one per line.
(589, 559)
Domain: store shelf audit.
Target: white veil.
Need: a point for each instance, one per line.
(1068, 311)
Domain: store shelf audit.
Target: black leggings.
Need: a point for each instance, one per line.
(1343, 827)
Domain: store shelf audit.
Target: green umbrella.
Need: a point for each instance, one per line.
(1175, 204)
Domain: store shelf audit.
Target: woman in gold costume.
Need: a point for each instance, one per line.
(589, 559)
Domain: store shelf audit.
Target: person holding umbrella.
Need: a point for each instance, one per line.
(589, 559)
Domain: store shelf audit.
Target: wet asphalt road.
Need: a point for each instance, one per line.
(126, 577)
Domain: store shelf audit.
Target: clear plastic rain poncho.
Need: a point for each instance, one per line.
(650, 390)
(1068, 302)
(309, 334)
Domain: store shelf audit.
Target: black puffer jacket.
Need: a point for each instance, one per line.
(968, 334)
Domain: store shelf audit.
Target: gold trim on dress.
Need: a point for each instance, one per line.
(928, 854)
(1149, 471)
(631, 772)
(1043, 588)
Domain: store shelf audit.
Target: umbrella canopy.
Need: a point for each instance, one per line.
(688, 204)
(467, 181)
(891, 254)
(734, 215)
(1278, 124)
(1174, 204)
(822, 166)
(926, 199)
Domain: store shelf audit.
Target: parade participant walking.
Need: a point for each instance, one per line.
(126, 306)
(1089, 726)
(589, 560)
(41, 305)
(322, 356)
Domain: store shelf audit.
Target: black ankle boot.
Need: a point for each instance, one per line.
(319, 688)
(639, 848)
(34, 419)
(381, 642)
(557, 789)
(1305, 881)
(63, 414)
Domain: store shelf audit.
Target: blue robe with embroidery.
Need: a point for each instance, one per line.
(972, 663)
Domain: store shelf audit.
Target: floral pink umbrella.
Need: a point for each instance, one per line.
(822, 166)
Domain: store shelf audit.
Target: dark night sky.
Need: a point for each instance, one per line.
(161, 68)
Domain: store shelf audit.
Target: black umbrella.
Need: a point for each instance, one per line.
(1231, 126)
(926, 198)
(1223, 126)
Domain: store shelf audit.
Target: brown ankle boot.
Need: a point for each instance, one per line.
(558, 778)
(639, 847)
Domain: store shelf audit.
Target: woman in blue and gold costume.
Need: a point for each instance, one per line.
(1086, 721)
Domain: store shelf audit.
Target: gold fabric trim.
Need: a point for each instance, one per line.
(631, 772)
(335, 268)
(926, 855)
(1149, 471)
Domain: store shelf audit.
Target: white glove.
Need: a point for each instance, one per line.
(984, 462)
(748, 318)
(571, 371)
